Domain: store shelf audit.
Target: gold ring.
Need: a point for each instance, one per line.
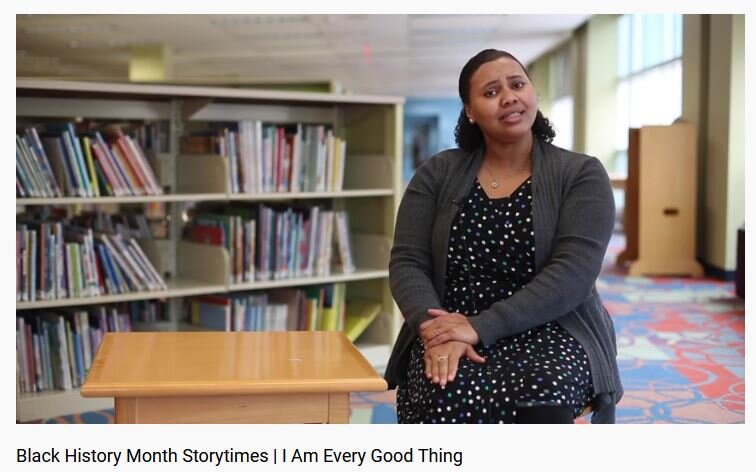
(441, 358)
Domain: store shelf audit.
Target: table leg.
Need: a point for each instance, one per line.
(125, 410)
(338, 408)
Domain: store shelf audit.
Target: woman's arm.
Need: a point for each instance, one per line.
(586, 220)
(411, 264)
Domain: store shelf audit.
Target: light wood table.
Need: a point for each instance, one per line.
(240, 377)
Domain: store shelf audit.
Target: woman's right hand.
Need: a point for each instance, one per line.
(442, 361)
(446, 326)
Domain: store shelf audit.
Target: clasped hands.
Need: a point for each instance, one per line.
(447, 338)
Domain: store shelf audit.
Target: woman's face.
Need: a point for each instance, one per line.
(503, 101)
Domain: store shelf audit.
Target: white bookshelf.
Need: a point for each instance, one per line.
(372, 126)
(297, 282)
(195, 197)
(176, 288)
(207, 197)
(262, 197)
(42, 405)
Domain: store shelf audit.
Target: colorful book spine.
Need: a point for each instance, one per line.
(87, 148)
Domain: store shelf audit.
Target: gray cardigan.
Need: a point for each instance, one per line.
(573, 217)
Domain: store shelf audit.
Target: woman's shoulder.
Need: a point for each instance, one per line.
(564, 157)
(569, 161)
(444, 161)
(451, 155)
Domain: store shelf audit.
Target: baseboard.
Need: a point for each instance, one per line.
(718, 273)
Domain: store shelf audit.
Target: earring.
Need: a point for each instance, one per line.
(471, 121)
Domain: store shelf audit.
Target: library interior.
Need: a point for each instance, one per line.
(217, 194)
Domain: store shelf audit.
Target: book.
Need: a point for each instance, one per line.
(133, 181)
(212, 312)
(294, 301)
(53, 146)
(140, 159)
(343, 242)
(333, 303)
(34, 166)
(87, 148)
(59, 351)
(86, 177)
(359, 314)
(21, 353)
(77, 167)
(114, 165)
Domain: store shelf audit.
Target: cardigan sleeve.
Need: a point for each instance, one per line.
(411, 264)
(584, 226)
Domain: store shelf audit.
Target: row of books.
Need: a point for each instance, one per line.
(152, 135)
(128, 225)
(56, 260)
(277, 243)
(313, 308)
(57, 162)
(270, 158)
(143, 312)
(306, 309)
(234, 229)
(54, 350)
(300, 243)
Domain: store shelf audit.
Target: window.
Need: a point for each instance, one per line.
(561, 114)
(649, 70)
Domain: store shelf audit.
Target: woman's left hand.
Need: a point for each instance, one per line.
(447, 327)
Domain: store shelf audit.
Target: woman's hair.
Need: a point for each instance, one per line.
(468, 135)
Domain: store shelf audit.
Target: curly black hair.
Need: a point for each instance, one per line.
(468, 135)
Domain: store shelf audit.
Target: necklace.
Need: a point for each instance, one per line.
(495, 182)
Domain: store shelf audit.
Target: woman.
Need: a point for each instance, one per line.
(497, 248)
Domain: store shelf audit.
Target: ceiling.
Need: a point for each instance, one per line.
(406, 55)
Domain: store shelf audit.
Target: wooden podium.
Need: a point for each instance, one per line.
(660, 201)
(238, 377)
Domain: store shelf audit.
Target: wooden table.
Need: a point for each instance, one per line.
(220, 377)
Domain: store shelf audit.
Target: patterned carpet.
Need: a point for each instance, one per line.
(681, 352)
(681, 345)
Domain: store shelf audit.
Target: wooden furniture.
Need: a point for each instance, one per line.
(242, 377)
(740, 264)
(371, 125)
(660, 201)
(630, 212)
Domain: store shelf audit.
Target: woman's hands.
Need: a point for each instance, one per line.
(441, 362)
(447, 327)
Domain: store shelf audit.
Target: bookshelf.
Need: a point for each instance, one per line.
(372, 186)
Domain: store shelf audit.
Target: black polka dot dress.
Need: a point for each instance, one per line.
(491, 256)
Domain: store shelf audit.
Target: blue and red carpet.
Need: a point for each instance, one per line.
(681, 352)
